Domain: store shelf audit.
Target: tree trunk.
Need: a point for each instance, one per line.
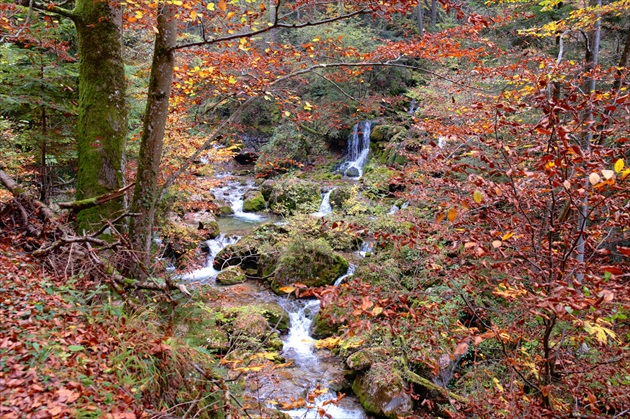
(592, 59)
(420, 18)
(433, 14)
(102, 127)
(145, 192)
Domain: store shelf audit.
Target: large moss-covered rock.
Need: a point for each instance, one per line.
(293, 196)
(244, 253)
(254, 202)
(381, 392)
(310, 262)
(276, 316)
(231, 275)
(323, 328)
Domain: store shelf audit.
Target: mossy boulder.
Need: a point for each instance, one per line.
(294, 196)
(323, 328)
(231, 275)
(254, 202)
(244, 253)
(340, 195)
(310, 262)
(381, 392)
(363, 359)
(250, 323)
(225, 210)
(276, 316)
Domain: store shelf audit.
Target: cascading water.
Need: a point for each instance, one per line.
(358, 150)
(312, 370)
(214, 247)
(324, 207)
(233, 193)
(351, 269)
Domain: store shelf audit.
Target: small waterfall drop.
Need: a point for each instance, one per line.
(358, 150)
(350, 272)
(324, 207)
(214, 246)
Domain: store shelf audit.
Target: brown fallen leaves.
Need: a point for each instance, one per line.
(53, 355)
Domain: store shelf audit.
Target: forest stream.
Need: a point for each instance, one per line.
(310, 369)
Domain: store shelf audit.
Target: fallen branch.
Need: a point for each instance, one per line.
(77, 206)
(421, 381)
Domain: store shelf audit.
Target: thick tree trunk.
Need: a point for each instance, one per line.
(102, 128)
(145, 192)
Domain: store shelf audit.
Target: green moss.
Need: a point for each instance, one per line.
(311, 262)
(230, 276)
(255, 203)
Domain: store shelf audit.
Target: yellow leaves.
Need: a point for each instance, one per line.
(478, 197)
(210, 6)
(497, 384)
(286, 114)
(508, 292)
(619, 164)
(177, 2)
(328, 343)
(600, 332)
(507, 236)
(308, 106)
(287, 289)
(230, 15)
(232, 80)
(193, 15)
(452, 214)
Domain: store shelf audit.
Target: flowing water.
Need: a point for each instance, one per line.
(358, 150)
(312, 368)
(324, 208)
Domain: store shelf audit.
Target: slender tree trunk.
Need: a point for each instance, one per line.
(592, 59)
(433, 15)
(145, 192)
(420, 18)
(102, 127)
(273, 11)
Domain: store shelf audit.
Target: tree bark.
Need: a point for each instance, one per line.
(433, 14)
(592, 59)
(102, 126)
(420, 18)
(145, 192)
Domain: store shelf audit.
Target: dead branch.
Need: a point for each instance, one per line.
(77, 206)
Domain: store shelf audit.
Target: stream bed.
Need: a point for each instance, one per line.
(311, 369)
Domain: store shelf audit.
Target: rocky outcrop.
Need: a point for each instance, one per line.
(381, 391)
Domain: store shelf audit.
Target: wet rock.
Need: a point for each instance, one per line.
(231, 275)
(254, 202)
(381, 392)
(225, 210)
(352, 172)
(244, 253)
(276, 316)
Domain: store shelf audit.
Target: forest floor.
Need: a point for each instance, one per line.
(56, 353)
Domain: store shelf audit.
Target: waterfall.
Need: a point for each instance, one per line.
(357, 151)
(324, 207)
(350, 272)
(214, 246)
